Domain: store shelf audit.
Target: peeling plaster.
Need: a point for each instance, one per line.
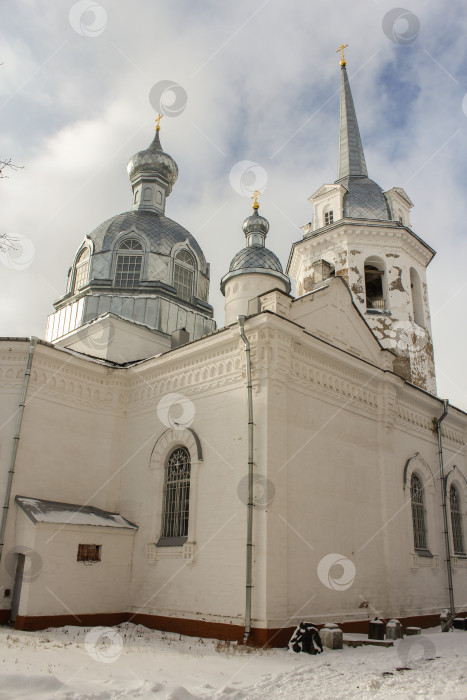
(308, 284)
(397, 283)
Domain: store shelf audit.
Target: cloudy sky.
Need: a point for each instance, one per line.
(259, 82)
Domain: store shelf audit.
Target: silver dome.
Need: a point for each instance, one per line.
(154, 161)
(257, 257)
(255, 223)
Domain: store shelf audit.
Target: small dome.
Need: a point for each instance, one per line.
(255, 223)
(364, 199)
(154, 161)
(255, 257)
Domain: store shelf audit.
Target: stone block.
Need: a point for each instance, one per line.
(410, 631)
(394, 630)
(331, 636)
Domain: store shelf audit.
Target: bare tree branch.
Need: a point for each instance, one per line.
(5, 164)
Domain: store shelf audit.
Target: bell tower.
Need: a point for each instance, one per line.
(364, 234)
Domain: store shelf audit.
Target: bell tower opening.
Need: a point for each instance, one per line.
(376, 299)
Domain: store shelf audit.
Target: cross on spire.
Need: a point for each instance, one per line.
(158, 122)
(341, 48)
(254, 197)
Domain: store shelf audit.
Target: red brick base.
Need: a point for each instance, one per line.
(260, 637)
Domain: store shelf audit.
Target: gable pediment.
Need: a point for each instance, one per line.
(329, 313)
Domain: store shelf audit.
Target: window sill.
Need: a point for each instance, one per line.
(378, 312)
(423, 553)
(171, 541)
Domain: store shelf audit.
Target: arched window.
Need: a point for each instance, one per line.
(456, 520)
(129, 263)
(82, 270)
(418, 512)
(417, 299)
(177, 494)
(374, 284)
(184, 274)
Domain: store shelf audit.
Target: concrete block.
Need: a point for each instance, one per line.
(394, 630)
(331, 636)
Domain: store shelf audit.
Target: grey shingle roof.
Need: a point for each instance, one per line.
(161, 232)
(255, 256)
(364, 199)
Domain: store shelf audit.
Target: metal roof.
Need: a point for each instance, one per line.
(41, 511)
(364, 199)
(161, 232)
(351, 156)
(255, 256)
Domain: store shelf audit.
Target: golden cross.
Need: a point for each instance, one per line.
(158, 122)
(341, 48)
(254, 197)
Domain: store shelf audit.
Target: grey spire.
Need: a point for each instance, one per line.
(351, 156)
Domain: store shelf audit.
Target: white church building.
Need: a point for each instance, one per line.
(292, 463)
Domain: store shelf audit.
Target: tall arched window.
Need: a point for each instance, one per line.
(184, 274)
(417, 299)
(418, 513)
(82, 270)
(456, 520)
(177, 494)
(129, 263)
(374, 284)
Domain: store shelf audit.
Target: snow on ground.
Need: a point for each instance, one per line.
(131, 661)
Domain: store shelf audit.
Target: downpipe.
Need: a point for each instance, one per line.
(11, 470)
(250, 502)
(445, 513)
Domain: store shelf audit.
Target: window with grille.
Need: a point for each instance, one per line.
(456, 521)
(82, 270)
(129, 263)
(328, 217)
(177, 494)
(418, 513)
(89, 552)
(184, 274)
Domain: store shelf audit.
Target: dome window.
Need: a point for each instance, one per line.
(82, 270)
(184, 274)
(129, 263)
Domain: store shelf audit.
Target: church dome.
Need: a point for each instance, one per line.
(153, 161)
(255, 257)
(160, 232)
(364, 199)
(255, 223)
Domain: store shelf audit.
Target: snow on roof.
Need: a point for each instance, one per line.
(40, 511)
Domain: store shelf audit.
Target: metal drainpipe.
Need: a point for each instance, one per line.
(445, 514)
(11, 471)
(250, 503)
